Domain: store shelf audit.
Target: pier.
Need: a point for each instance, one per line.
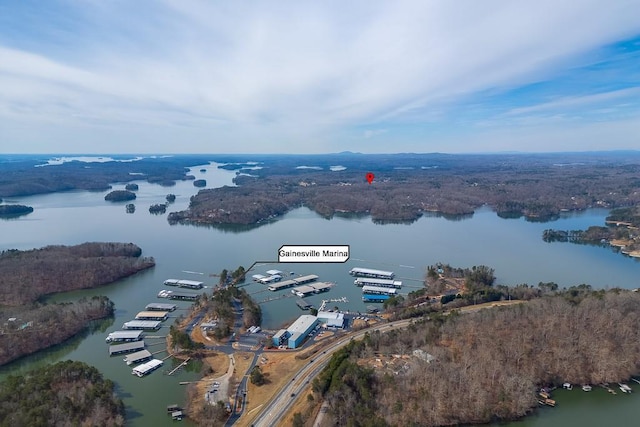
(179, 366)
(325, 301)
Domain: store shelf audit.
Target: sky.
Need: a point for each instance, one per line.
(452, 76)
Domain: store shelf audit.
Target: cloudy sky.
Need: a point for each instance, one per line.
(98, 76)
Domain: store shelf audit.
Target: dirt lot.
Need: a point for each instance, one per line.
(278, 369)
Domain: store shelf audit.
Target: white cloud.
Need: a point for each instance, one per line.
(264, 72)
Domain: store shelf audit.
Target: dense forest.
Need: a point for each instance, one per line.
(27, 275)
(486, 365)
(39, 326)
(64, 394)
(537, 188)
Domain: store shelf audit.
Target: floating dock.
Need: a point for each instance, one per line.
(283, 285)
(126, 348)
(315, 288)
(158, 306)
(181, 283)
(152, 315)
(303, 304)
(379, 290)
(177, 295)
(375, 297)
(384, 283)
(368, 272)
(124, 336)
(142, 325)
(138, 357)
(293, 282)
(147, 368)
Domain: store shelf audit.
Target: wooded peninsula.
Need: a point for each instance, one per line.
(30, 325)
(486, 365)
(620, 233)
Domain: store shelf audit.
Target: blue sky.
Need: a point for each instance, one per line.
(313, 77)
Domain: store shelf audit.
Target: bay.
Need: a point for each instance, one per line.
(513, 247)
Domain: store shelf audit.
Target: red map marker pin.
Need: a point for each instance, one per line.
(370, 177)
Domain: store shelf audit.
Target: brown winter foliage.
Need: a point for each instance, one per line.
(42, 326)
(536, 187)
(65, 394)
(488, 364)
(27, 275)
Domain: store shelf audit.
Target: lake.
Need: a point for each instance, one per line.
(513, 247)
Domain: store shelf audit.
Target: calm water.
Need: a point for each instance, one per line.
(514, 248)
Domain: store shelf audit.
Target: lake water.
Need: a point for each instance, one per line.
(513, 247)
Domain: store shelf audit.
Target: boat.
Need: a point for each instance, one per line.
(567, 386)
(544, 395)
(586, 387)
(625, 388)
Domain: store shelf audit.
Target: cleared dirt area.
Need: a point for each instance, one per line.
(278, 370)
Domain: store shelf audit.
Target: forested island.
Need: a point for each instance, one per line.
(407, 186)
(9, 211)
(29, 275)
(621, 232)
(486, 365)
(64, 394)
(120, 196)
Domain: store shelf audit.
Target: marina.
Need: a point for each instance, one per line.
(147, 368)
(124, 336)
(126, 348)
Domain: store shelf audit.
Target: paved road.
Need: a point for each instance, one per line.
(241, 394)
(279, 405)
